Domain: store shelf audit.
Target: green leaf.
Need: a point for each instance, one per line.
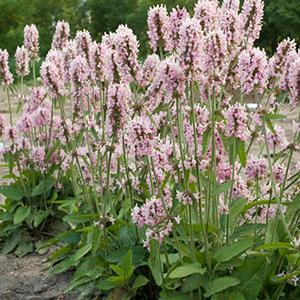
(39, 217)
(11, 243)
(235, 211)
(139, 282)
(220, 284)
(127, 264)
(21, 214)
(81, 252)
(236, 295)
(252, 274)
(228, 252)
(242, 153)
(154, 262)
(186, 270)
(274, 116)
(13, 191)
(43, 187)
(83, 218)
(274, 246)
(221, 188)
(23, 249)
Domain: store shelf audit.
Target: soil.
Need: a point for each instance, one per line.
(27, 278)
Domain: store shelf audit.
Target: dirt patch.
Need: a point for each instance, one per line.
(27, 278)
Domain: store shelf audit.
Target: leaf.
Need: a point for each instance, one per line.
(43, 187)
(81, 252)
(236, 295)
(220, 284)
(252, 275)
(154, 262)
(242, 153)
(127, 264)
(221, 188)
(186, 270)
(274, 246)
(21, 214)
(83, 218)
(39, 217)
(274, 116)
(11, 243)
(228, 252)
(236, 210)
(139, 282)
(13, 191)
(23, 249)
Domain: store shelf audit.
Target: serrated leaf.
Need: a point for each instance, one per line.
(242, 153)
(187, 270)
(154, 262)
(274, 116)
(43, 187)
(228, 252)
(39, 217)
(139, 282)
(12, 191)
(83, 218)
(220, 284)
(274, 246)
(235, 211)
(21, 214)
(81, 252)
(11, 243)
(221, 188)
(23, 249)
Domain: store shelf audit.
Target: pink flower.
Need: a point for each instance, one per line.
(278, 172)
(207, 11)
(240, 189)
(233, 5)
(252, 70)
(6, 77)
(215, 57)
(256, 168)
(236, 122)
(277, 139)
(190, 46)
(223, 171)
(22, 61)
(230, 24)
(294, 82)
(2, 125)
(98, 59)
(80, 87)
(286, 77)
(38, 157)
(69, 53)
(149, 69)
(172, 77)
(83, 42)
(52, 78)
(177, 17)
(251, 17)
(61, 35)
(118, 96)
(31, 41)
(158, 30)
(278, 60)
(126, 54)
(141, 136)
